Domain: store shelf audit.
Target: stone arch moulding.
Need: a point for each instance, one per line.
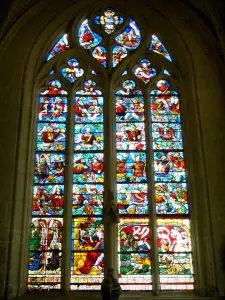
(51, 26)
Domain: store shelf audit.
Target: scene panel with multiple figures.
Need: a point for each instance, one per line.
(48, 200)
(130, 109)
(88, 109)
(89, 137)
(171, 198)
(165, 108)
(73, 71)
(88, 167)
(44, 268)
(130, 38)
(133, 234)
(87, 38)
(173, 235)
(167, 136)
(49, 168)
(52, 109)
(131, 167)
(132, 199)
(130, 136)
(87, 234)
(169, 167)
(87, 199)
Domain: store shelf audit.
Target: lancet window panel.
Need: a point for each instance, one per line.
(110, 124)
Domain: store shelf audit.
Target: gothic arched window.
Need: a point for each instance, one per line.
(109, 149)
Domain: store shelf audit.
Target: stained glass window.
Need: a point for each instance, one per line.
(123, 132)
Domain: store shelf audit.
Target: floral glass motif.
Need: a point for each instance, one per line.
(73, 72)
(109, 20)
(44, 271)
(59, 47)
(100, 54)
(159, 48)
(87, 258)
(118, 54)
(130, 38)
(144, 72)
(175, 256)
(132, 194)
(87, 38)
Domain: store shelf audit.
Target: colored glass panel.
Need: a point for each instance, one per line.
(100, 54)
(130, 38)
(51, 136)
(87, 270)
(130, 136)
(49, 168)
(44, 268)
(159, 48)
(52, 109)
(118, 54)
(132, 199)
(171, 198)
(124, 73)
(173, 235)
(87, 38)
(88, 167)
(169, 167)
(72, 72)
(59, 47)
(87, 199)
(134, 234)
(129, 109)
(93, 72)
(167, 136)
(89, 89)
(51, 72)
(144, 72)
(129, 86)
(54, 88)
(131, 167)
(165, 108)
(48, 200)
(89, 109)
(134, 253)
(109, 20)
(88, 137)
